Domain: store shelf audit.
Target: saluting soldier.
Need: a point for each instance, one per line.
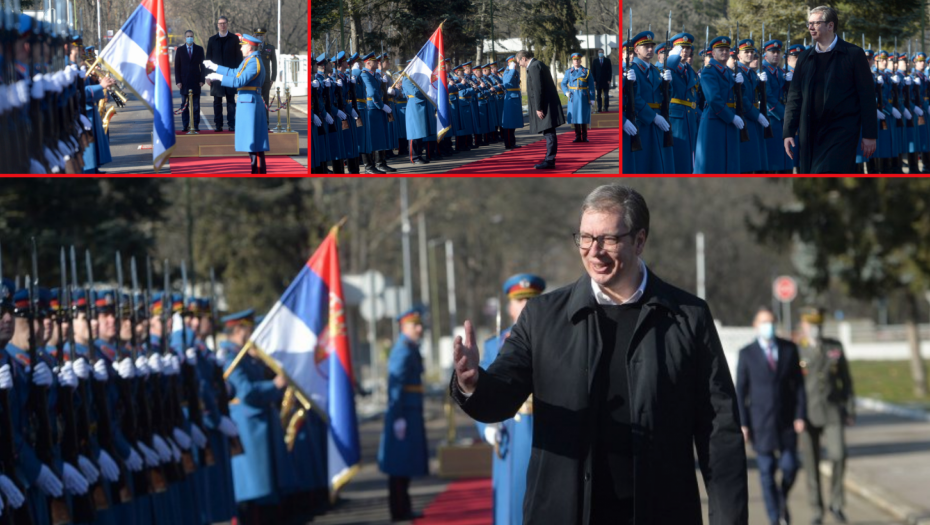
(718, 148)
(831, 406)
(269, 58)
(513, 104)
(579, 90)
(753, 154)
(251, 124)
(653, 158)
(683, 108)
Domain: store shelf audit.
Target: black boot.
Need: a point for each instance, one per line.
(584, 133)
(403, 148)
(353, 166)
(369, 160)
(475, 143)
(338, 167)
(382, 163)
(577, 133)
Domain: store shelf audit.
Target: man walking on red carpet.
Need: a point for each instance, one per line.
(545, 108)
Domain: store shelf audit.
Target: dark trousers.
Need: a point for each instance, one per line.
(606, 92)
(258, 162)
(399, 497)
(230, 110)
(775, 494)
(833, 439)
(266, 96)
(186, 115)
(552, 144)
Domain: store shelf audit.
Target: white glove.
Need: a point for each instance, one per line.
(490, 434)
(400, 428)
(134, 461)
(75, 483)
(81, 368)
(329, 119)
(175, 451)
(316, 121)
(11, 492)
(155, 364)
(214, 76)
(895, 113)
(894, 79)
(352, 78)
(48, 482)
(6, 378)
(88, 469)
(661, 123)
(339, 82)
(763, 77)
(151, 458)
(197, 436)
(789, 76)
(107, 466)
(354, 114)
(907, 114)
(907, 81)
(41, 375)
(142, 366)
(124, 368)
(228, 427)
(919, 111)
(100, 371)
(763, 121)
(386, 109)
(390, 91)
(327, 82)
(175, 364)
(209, 65)
(881, 116)
(315, 84)
(917, 80)
(191, 355)
(66, 376)
(629, 127)
(340, 114)
(181, 438)
(880, 79)
(667, 75)
(739, 78)
(512, 65)
(631, 75)
(738, 122)
(164, 452)
(384, 79)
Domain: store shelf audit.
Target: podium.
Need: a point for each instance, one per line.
(209, 143)
(610, 119)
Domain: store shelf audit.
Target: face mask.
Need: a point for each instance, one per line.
(814, 333)
(190, 40)
(766, 331)
(600, 55)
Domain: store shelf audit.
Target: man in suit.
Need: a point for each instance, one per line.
(601, 72)
(189, 75)
(545, 108)
(223, 50)
(772, 405)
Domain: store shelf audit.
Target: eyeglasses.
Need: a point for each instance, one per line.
(584, 240)
(815, 24)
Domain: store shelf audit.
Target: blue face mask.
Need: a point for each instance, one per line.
(190, 40)
(600, 55)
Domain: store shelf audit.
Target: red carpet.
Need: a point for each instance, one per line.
(278, 165)
(464, 502)
(570, 158)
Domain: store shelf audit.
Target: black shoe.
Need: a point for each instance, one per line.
(219, 129)
(546, 166)
(838, 515)
(418, 160)
(185, 130)
(577, 139)
(385, 168)
(424, 161)
(232, 128)
(374, 169)
(409, 517)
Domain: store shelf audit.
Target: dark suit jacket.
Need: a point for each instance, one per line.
(849, 106)
(542, 95)
(681, 401)
(223, 53)
(770, 401)
(602, 74)
(189, 72)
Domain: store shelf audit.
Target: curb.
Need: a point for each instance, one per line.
(877, 405)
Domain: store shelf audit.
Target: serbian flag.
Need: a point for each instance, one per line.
(138, 57)
(428, 73)
(305, 336)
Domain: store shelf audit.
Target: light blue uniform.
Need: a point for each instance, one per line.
(775, 93)
(580, 93)
(684, 119)
(251, 122)
(376, 138)
(718, 146)
(924, 98)
(629, 161)
(513, 104)
(466, 121)
(407, 457)
(654, 158)
(753, 154)
(98, 153)
(421, 120)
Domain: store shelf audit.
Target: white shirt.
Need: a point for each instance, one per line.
(765, 348)
(223, 35)
(603, 298)
(827, 50)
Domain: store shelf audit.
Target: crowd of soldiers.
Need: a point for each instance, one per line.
(729, 116)
(52, 107)
(112, 413)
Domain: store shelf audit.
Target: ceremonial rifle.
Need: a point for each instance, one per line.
(879, 95)
(907, 89)
(667, 88)
(894, 87)
(738, 91)
(189, 376)
(219, 384)
(763, 95)
(174, 399)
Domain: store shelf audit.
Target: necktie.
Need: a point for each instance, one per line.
(189, 53)
(770, 354)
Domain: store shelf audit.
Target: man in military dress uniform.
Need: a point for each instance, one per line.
(753, 154)
(513, 104)
(579, 90)
(718, 148)
(269, 58)
(683, 110)
(374, 117)
(776, 90)
(466, 121)
(831, 406)
(653, 158)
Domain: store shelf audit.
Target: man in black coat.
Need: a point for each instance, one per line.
(223, 50)
(545, 108)
(628, 379)
(831, 100)
(773, 406)
(603, 72)
(189, 75)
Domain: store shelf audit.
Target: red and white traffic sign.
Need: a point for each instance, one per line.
(785, 288)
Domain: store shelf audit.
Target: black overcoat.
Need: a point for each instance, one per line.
(541, 95)
(682, 400)
(223, 53)
(849, 106)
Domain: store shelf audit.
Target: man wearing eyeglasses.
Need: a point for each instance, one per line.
(223, 50)
(628, 378)
(830, 100)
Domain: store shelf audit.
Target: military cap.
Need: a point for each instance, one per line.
(369, 56)
(25, 24)
(260, 31)
(466, 64)
(747, 44)
(250, 39)
(660, 48)
(413, 315)
(7, 287)
(644, 38)
(54, 301)
(320, 59)
(245, 317)
(626, 44)
(721, 41)
(21, 302)
(339, 56)
(683, 40)
(812, 314)
(577, 55)
(89, 50)
(78, 299)
(524, 286)
(869, 53)
(920, 57)
(486, 66)
(772, 45)
(104, 301)
(796, 49)
(352, 59)
(77, 40)
(511, 58)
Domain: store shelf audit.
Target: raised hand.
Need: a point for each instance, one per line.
(466, 360)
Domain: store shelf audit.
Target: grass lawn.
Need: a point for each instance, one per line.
(886, 380)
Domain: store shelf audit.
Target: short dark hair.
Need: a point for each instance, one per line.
(188, 31)
(523, 53)
(222, 18)
(619, 198)
(828, 14)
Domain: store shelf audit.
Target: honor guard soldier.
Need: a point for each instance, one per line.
(791, 56)
(480, 125)
(861, 161)
(374, 118)
(661, 55)
(342, 144)
(321, 117)
(775, 92)
(920, 123)
(888, 156)
(98, 153)
(270, 61)
(466, 121)
(403, 451)
(421, 121)
(753, 154)
(349, 136)
(831, 406)
(251, 126)
(494, 115)
(683, 108)
(897, 132)
(499, 82)
(718, 146)
(400, 117)
(653, 158)
(456, 124)
(579, 91)
(907, 108)
(512, 439)
(923, 120)
(384, 75)
(629, 128)
(513, 104)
